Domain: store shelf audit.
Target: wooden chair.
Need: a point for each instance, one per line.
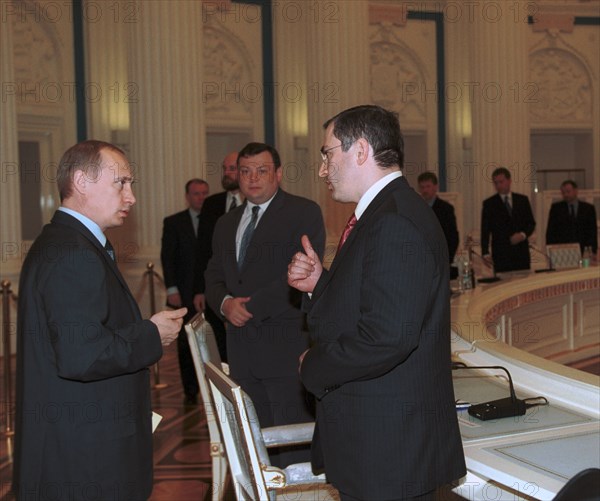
(564, 255)
(584, 486)
(203, 346)
(246, 445)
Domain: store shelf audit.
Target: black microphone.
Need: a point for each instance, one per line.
(496, 409)
(487, 280)
(548, 259)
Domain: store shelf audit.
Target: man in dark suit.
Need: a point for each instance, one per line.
(246, 283)
(507, 218)
(572, 220)
(179, 246)
(83, 419)
(428, 187)
(379, 362)
(214, 207)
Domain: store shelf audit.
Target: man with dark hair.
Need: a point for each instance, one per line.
(246, 283)
(507, 218)
(214, 207)
(572, 220)
(179, 247)
(379, 361)
(428, 187)
(83, 419)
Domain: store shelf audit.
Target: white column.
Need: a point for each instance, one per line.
(290, 22)
(167, 131)
(499, 86)
(110, 90)
(338, 78)
(459, 175)
(10, 220)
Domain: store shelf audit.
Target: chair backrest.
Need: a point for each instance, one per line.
(584, 486)
(564, 255)
(203, 346)
(242, 436)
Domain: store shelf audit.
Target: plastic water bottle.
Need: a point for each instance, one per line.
(586, 259)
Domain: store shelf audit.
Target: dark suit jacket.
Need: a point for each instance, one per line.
(83, 419)
(270, 343)
(445, 214)
(178, 255)
(212, 209)
(561, 230)
(380, 357)
(499, 225)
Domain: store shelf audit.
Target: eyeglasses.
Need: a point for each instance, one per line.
(324, 152)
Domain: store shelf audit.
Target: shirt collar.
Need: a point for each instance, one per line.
(262, 206)
(88, 223)
(373, 191)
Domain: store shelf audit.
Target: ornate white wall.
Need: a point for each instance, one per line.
(162, 78)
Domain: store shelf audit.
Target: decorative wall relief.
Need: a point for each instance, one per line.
(564, 87)
(37, 61)
(397, 79)
(228, 86)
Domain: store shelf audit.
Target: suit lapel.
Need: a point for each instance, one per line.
(188, 224)
(361, 225)
(230, 235)
(267, 220)
(67, 220)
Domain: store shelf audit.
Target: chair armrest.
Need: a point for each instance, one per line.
(301, 473)
(291, 434)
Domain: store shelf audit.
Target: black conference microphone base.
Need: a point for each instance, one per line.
(496, 409)
(488, 280)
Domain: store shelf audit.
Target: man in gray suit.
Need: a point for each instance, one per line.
(83, 420)
(246, 283)
(379, 362)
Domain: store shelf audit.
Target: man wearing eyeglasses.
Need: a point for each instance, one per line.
(379, 361)
(246, 281)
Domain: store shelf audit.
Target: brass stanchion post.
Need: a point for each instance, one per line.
(150, 272)
(6, 295)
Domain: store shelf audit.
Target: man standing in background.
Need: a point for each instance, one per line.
(179, 246)
(507, 218)
(214, 207)
(246, 283)
(572, 220)
(428, 187)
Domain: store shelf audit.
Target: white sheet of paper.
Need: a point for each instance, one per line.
(156, 418)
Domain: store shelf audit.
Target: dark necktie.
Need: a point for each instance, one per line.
(233, 204)
(507, 205)
(571, 211)
(349, 227)
(110, 249)
(248, 235)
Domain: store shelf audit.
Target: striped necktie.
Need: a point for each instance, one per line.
(110, 249)
(248, 235)
(348, 228)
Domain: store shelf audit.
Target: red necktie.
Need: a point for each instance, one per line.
(349, 226)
